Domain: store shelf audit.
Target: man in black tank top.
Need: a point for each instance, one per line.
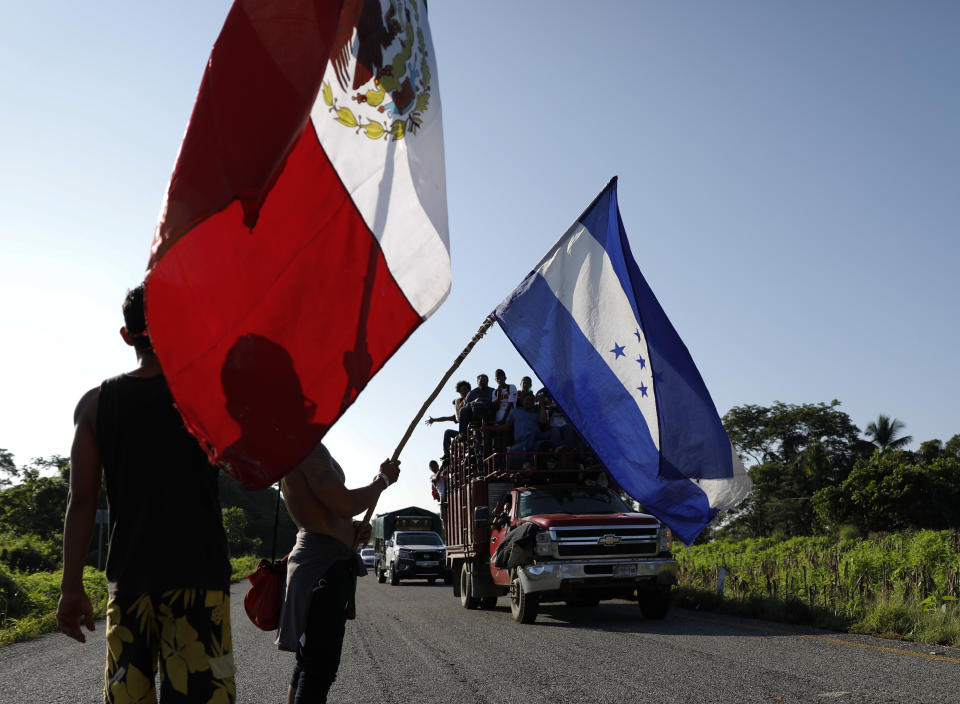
(167, 563)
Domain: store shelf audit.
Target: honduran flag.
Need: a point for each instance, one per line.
(304, 234)
(590, 327)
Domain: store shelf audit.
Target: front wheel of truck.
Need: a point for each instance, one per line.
(523, 606)
(381, 577)
(467, 599)
(654, 603)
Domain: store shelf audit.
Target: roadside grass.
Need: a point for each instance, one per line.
(903, 586)
(28, 602)
(242, 566)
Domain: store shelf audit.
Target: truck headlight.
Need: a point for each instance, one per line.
(405, 553)
(666, 539)
(543, 544)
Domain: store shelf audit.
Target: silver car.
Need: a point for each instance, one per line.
(367, 556)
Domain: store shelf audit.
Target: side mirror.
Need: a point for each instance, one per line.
(389, 543)
(481, 517)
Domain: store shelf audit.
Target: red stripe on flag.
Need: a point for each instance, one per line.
(230, 310)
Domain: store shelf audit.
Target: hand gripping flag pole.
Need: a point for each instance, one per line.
(488, 321)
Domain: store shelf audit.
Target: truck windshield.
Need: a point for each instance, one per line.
(572, 501)
(418, 539)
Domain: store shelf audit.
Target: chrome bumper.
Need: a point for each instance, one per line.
(550, 576)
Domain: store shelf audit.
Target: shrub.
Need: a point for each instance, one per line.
(14, 601)
(30, 553)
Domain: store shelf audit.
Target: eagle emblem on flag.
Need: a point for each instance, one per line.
(382, 88)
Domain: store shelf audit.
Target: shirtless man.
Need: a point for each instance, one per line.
(321, 576)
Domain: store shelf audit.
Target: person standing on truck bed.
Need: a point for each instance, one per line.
(321, 570)
(505, 396)
(463, 388)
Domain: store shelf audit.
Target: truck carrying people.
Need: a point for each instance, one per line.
(540, 523)
(408, 545)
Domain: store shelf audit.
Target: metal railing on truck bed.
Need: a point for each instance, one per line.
(479, 471)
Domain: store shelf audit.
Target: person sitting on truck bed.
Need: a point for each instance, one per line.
(321, 569)
(526, 388)
(528, 422)
(463, 388)
(556, 418)
(478, 406)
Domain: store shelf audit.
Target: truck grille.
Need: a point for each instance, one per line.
(607, 550)
(426, 556)
(606, 541)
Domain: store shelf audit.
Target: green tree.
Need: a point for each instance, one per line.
(890, 492)
(930, 450)
(781, 432)
(884, 432)
(8, 469)
(260, 508)
(797, 450)
(34, 506)
(951, 448)
(235, 526)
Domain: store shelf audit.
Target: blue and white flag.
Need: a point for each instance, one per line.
(590, 327)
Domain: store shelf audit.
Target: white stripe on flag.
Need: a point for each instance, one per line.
(397, 186)
(581, 276)
(727, 492)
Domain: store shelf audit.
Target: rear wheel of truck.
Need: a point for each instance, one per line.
(523, 606)
(393, 576)
(654, 603)
(467, 599)
(381, 577)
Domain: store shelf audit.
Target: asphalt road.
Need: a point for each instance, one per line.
(413, 643)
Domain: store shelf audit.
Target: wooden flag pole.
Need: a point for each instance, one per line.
(488, 321)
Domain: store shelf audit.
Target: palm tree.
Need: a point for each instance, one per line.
(884, 433)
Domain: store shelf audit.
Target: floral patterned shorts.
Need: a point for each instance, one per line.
(186, 631)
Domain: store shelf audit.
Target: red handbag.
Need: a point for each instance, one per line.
(262, 603)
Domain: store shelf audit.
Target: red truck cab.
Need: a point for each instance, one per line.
(546, 534)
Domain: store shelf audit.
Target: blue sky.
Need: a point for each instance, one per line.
(789, 181)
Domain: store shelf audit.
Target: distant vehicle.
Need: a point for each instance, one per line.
(408, 545)
(367, 555)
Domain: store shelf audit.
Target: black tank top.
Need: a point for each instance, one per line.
(166, 529)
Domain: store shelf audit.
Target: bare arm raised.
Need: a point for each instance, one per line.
(319, 501)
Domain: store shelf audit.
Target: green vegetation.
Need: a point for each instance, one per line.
(895, 585)
(795, 550)
(242, 566)
(28, 602)
(33, 500)
(813, 474)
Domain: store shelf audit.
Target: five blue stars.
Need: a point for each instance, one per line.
(618, 351)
